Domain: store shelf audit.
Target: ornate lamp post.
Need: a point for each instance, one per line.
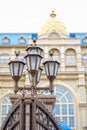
(51, 69)
(38, 75)
(16, 69)
(33, 61)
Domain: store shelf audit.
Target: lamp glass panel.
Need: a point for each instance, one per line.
(29, 51)
(39, 51)
(51, 68)
(38, 62)
(56, 69)
(38, 75)
(33, 62)
(30, 77)
(21, 69)
(28, 62)
(11, 68)
(46, 69)
(16, 69)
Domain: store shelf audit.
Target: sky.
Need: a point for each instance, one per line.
(30, 15)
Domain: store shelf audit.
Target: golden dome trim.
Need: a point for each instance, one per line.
(53, 14)
(53, 24)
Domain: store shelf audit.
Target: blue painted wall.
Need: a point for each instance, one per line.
(14, 37)
(79, 35)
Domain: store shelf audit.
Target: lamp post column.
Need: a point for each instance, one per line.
(33, 114)
(22, 115)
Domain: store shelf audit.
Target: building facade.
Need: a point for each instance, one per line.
(70, 86)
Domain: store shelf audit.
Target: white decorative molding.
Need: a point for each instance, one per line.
(82, 95)
(81, 81)
(68, 41)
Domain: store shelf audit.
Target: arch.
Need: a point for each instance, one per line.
(6, 39)
(56, 53)
(84, 39)
(72, 93)
(6, 95)
(53, 35)
(70, 50)
(66, 86)
(6, 105)
(21, 39)
(70, 54)
(64, 106)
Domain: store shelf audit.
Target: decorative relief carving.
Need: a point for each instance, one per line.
(81, 81)
(82, 95)
(59, 41)
(4, 91)
(72, 83)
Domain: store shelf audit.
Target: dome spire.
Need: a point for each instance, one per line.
(53, 14)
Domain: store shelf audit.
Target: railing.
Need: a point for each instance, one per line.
(31, 115)
(12, 121)
(45, 119)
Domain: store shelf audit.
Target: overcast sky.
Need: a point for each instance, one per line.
(29, 15)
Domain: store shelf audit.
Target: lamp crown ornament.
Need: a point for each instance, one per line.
(34, 40)
(17, 53)
(51, 54)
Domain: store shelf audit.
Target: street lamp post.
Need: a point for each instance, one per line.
(33, 61)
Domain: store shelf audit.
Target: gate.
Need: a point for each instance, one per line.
(30, 116)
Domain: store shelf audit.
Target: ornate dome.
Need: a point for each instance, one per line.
(53, 24)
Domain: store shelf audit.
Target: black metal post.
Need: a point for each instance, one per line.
(33, 115)
(22, 115)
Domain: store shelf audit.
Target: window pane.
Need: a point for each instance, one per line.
(3, 119)
(65, 120)
(4, 110)
(69, 97)
(5, 101)
(60, 89)
(4, 59)
(71, 121)
(71, 109)
(58, 95)
(84, 58)
(70, 58)
(57, 109)
(64, 109)
(9, 107)
(63, 100)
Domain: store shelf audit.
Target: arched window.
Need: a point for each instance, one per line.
(4, 58)
(56, 54)
(22, 39)
(84, 58)
(6, 40)
(70, 55)
(6, 106)
(84, 40)
(54, 35)
(64, 107)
